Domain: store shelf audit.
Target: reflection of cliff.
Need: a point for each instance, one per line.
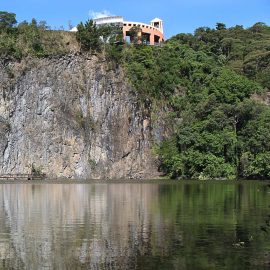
(67, 226)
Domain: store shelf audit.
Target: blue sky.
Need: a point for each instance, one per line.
(180, 16)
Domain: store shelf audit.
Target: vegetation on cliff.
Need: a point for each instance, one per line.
(18, 40)
(208, 81)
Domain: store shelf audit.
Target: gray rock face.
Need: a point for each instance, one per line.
(72, 117)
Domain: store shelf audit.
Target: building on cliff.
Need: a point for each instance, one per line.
(151, 34)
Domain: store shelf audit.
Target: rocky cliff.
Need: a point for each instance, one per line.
(73, 117)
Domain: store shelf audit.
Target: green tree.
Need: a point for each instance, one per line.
(229, 87)
(135, 34)
(7, 21)
(220, 26)
(88, 35)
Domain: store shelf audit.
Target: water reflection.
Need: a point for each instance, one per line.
(132, 226)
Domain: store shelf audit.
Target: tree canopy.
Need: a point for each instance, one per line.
(7, 20)
(92, 37)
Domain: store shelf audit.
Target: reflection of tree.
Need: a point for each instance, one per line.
(265, 228)
(223, 224)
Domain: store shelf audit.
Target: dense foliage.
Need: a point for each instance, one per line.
(247, 51)
(220, 131)
(96, 38)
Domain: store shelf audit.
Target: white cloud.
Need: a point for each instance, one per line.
(99, 14)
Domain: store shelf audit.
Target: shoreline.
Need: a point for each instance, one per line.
(127, 181)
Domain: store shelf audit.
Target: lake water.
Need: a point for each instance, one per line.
(165, 225)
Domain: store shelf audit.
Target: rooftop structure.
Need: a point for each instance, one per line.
(151, 34)
(157, 23)
(110, 20)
